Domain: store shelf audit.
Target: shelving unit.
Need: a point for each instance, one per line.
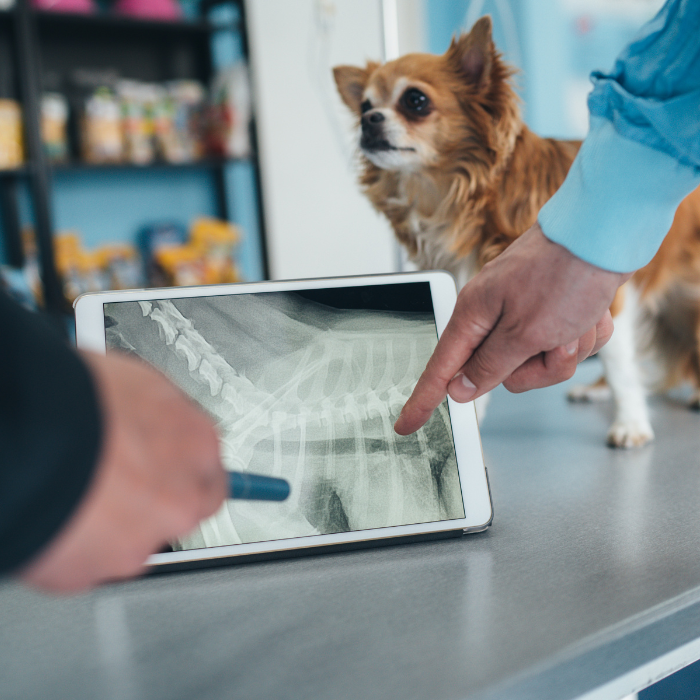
(45, 47)
(77, 166)
(116, 23)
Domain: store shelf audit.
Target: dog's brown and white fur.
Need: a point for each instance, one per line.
(447, 158)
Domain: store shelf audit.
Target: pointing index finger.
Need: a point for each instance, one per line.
(463, 334)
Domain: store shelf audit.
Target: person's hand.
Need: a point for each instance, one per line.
(159, 473)
(526, 320)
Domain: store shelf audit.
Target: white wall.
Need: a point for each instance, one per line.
(411, 17)
(318, 222)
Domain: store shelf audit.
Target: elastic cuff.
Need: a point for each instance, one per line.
(618, 200)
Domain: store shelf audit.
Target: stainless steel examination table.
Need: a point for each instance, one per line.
(588, 584)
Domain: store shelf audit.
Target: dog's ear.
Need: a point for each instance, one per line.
(473, 54)
(351, 82)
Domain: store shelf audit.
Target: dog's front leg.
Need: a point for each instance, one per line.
(631, 427)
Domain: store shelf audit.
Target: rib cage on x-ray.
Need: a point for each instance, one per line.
(307, 392)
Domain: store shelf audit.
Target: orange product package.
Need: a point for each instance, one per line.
(11, 140)
(216, 241)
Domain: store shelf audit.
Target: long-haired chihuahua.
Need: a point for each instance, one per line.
(447, 158)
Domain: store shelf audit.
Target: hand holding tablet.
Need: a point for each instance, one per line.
(304, 381)
(157, 475)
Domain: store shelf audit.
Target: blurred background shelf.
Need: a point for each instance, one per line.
(77, 166)
(41, 52)
(14, 172)
(71, 22)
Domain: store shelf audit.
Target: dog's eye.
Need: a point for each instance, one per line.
(365, 106)
(415, 101)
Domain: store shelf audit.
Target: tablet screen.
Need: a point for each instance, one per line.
(306, 385)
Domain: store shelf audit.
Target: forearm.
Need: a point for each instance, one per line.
(618, 200)
(642, 155)
(49, 434)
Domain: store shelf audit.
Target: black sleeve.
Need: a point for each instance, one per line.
(50, 430)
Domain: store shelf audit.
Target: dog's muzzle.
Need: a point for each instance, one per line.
(373, 138)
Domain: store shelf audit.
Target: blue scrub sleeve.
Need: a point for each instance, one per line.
(642, 154)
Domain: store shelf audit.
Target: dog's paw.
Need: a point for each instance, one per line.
(589, 393)
(694, 402)
(630, 433)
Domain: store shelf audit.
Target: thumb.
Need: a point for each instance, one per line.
(471, 322)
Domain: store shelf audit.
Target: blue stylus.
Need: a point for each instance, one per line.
(257, 488)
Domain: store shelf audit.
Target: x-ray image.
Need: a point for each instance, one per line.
(306, 386)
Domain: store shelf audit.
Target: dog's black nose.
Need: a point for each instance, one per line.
(373, 131)
(371, 124)
(373, 117)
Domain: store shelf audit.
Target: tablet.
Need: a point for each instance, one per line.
(304, 380)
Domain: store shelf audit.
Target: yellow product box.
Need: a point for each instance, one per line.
(11, 140)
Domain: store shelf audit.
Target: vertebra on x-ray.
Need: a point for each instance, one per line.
(307, 392)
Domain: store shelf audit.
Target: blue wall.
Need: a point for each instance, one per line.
(555, 47)
(446, 18)
(114, 205)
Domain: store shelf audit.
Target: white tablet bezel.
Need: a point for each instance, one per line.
(90, 335)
